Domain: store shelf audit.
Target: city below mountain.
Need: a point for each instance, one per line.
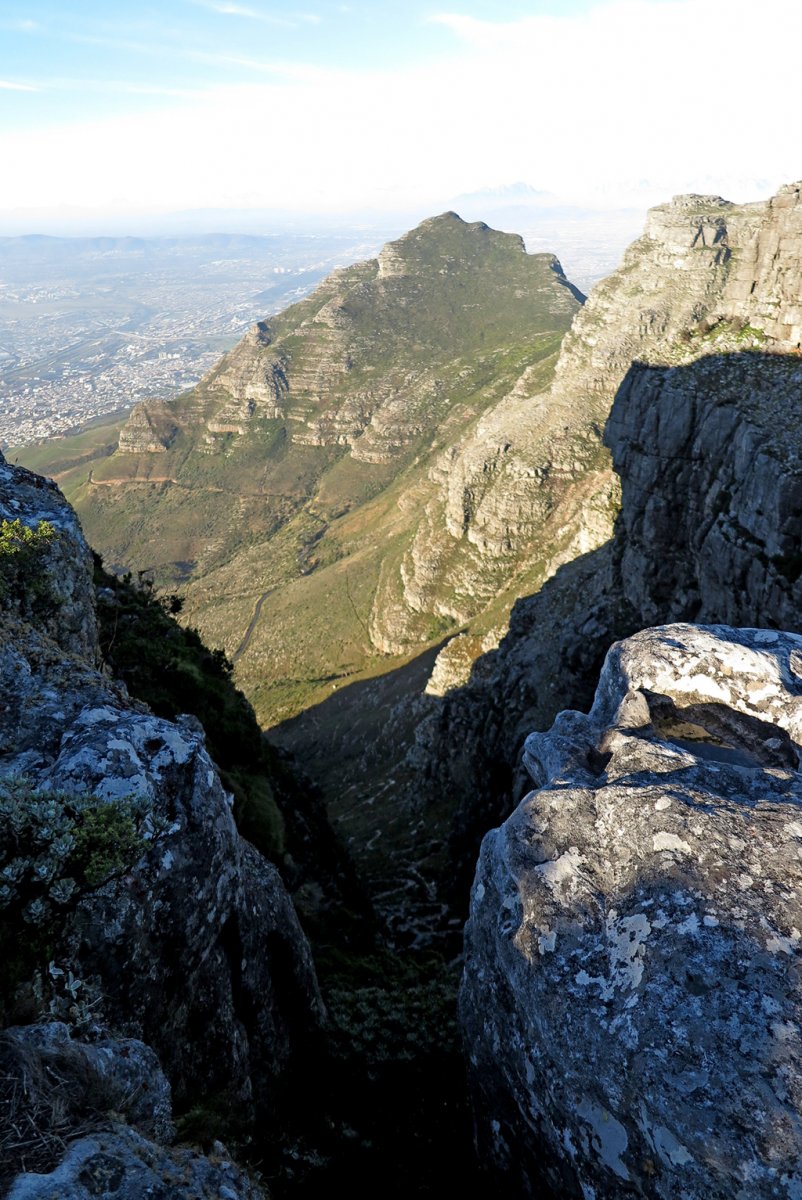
(419, 517)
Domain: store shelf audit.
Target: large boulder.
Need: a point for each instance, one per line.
(631, 1001)
(190, 942)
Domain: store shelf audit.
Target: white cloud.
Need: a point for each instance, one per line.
(628, 103)
(241, 10)
(9, 85)
(21, 25)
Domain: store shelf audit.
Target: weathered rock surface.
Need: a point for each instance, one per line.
(705, 446)
(120, 1075)
(710, 458)
(531, 481)
(59, 593)
(707, 276)
(120, 1163)
(193, 946)
(171, 945)
(150, 429)
(631, 998)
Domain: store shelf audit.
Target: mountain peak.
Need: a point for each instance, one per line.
(447, 239)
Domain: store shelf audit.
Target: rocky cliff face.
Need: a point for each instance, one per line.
(632, 951)
(48, 580)
(709, 456)
(358, 363)
(305, 472)
(128, 898)
(707, 275)
(703, 439)
(704, 443)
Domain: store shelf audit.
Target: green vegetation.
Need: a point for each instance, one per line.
(23, 579)
(267, 530)
(734, 335)
(54, 849)
(170, 668)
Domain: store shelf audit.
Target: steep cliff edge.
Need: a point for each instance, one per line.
(706, 276)
(702, 434)
(632, 954)
(128, 898)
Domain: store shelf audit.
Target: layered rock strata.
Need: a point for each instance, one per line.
(357, 363)
(705, 446)
(707, 275)
(632, 953)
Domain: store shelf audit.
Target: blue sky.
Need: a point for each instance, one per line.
(136, 55)
(329, 106)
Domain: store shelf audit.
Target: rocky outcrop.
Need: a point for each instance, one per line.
(111, 1100)
(710, 459)
(632, 952)
(170, 945)
(49, 578)
(122, 1164)
(150, 429)
(531, 480)
(139, 907)
(704, 442)
(250, 376)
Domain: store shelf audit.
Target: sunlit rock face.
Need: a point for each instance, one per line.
(631, 1000)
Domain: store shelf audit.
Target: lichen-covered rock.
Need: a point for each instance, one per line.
(631, 1001)
(176, 930)
(55, 588)
(119, 1163)
(162, 942)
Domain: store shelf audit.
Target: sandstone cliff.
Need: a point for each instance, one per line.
(703, 444)
(304, 473)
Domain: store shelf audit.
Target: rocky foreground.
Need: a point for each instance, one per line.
(129, 903)
(631, 1000)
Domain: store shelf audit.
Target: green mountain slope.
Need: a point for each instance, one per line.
(284, 494)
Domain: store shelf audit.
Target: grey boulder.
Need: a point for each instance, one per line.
(631, 1001)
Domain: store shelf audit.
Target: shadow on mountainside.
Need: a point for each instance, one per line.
(710, 529)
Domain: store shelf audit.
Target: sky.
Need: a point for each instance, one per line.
(320, 107)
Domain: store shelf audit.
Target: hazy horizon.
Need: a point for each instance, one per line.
(335, 113)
